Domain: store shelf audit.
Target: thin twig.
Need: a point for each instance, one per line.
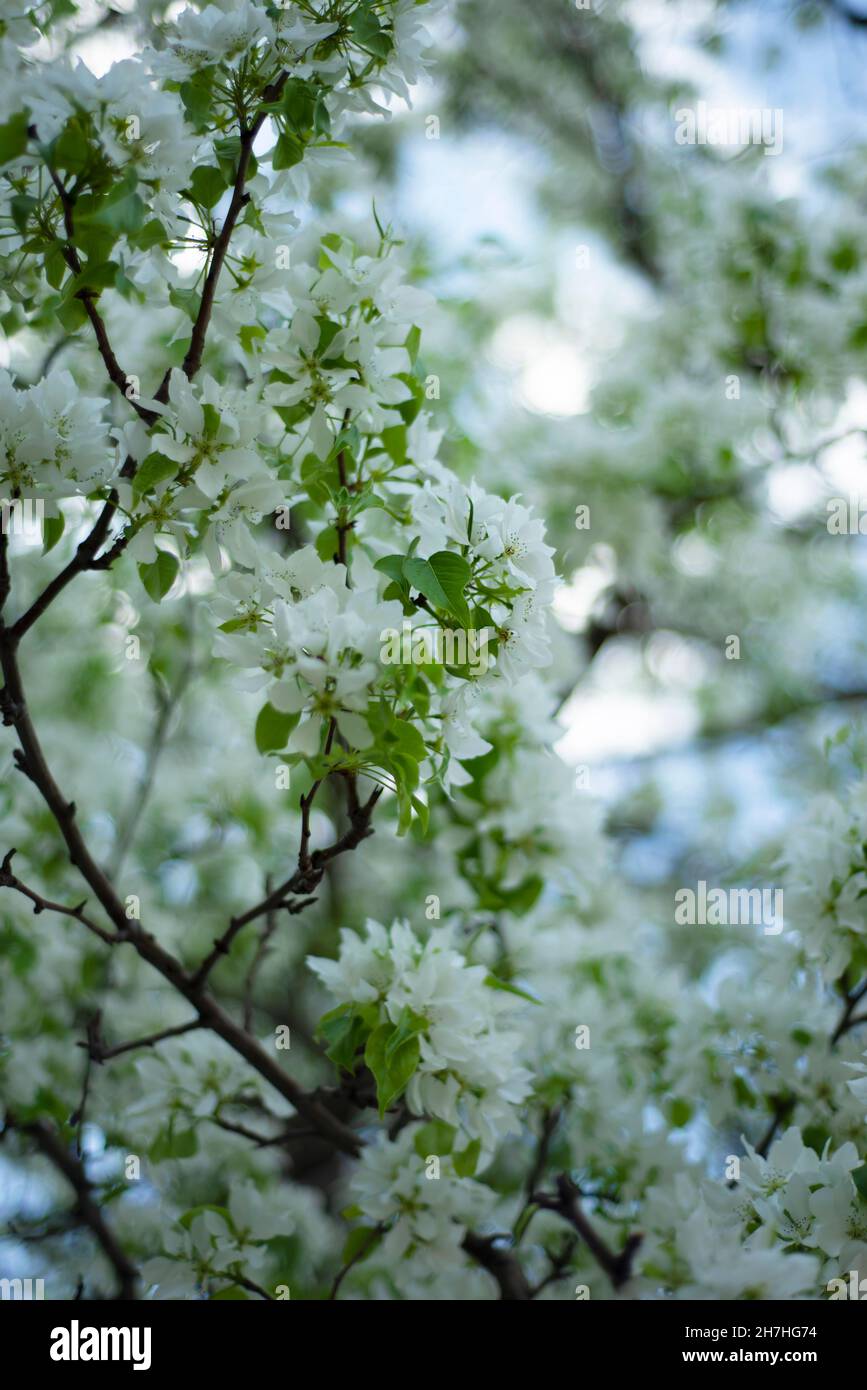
(363, 1249)
(98, 1052)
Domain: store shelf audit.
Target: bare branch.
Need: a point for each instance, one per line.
(40, 904)
(98, 1052)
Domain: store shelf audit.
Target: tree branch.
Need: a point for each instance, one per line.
(40, 904)
(98, 1052)
(193, 359)
(618, 1267)
(83, 559)
(31, 760)
(50, 1144)
(116, 374)
(502, 1264)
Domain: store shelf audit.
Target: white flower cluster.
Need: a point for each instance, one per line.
(469, 1073)
(316, 656)
(790, 1224)
(205, 456)
(219, 1246)
(828, 868)
(53, 441)
(423, 1210)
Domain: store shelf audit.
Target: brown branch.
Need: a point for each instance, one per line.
(98, 1052)
(559, 1263)
(31, 760)
(83, 559)
(86, 1206)
(847, 1019)
(40, 904)
(88, 297)
(223, 944)
(618, 1267)
(502, 1264)
(5, 578)
(251, 1286)
(193, 359)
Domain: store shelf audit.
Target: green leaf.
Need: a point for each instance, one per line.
(391, 1074)
(273, 728)
(453, 573)
(297, 105)
(394, 439)
(212, 420)
(153, 233)
(466, 1163)
(363, 1238)
(13, 137)
(71, 314)
(327, 543)
(859, 1177)
(493, 982)
(188, 300)
(321, 118)
(152, 471)
(368, 33)
(55, 267)
(423, 813)
(413, 343)
(71, 149)
(52, 530)
(94, 277)
(251, 333)
(169, 1144)
(121, 210)
(680, 1112)
(197, 95)
(344, 1029)
(206, 186)
(21, 207)
(159, 577)
(408, 1026)
(435, 1137)
(392, 565)
(442, 579)
(288, 152)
